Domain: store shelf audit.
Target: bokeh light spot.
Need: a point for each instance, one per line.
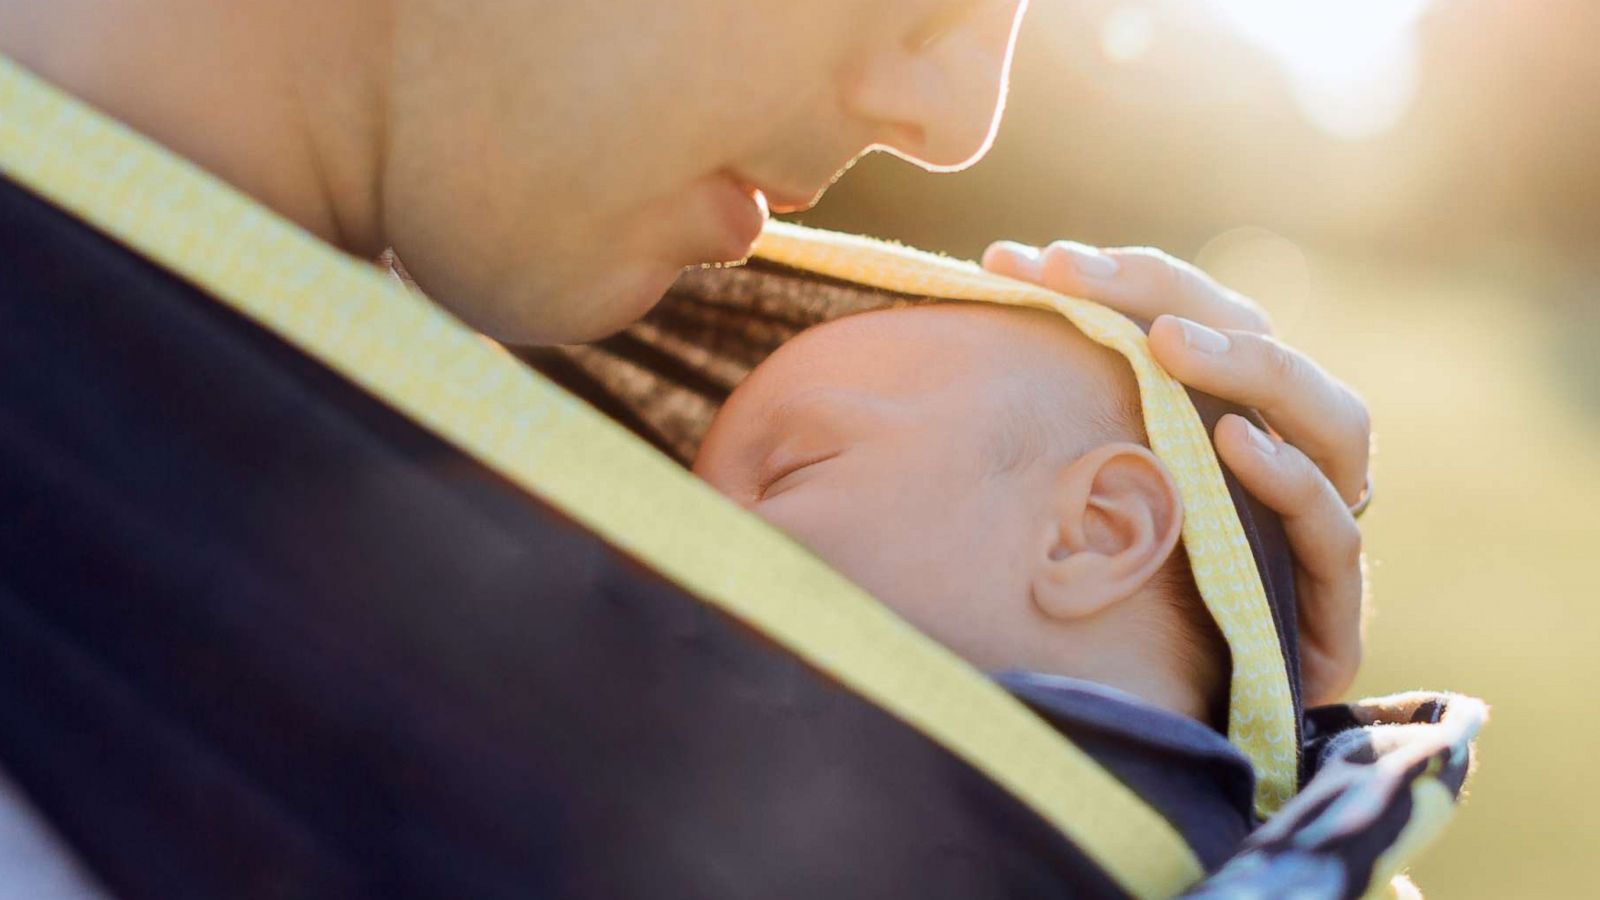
(1262, 265)
(1353, 63)
(1126, 34)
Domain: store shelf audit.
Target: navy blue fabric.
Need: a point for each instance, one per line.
(260, 636)
(1189, 773)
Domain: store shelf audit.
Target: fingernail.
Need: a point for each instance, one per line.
(1202, 339)
(1090, 262)
(1263, 444)
(1020, 250)
(1027, 258)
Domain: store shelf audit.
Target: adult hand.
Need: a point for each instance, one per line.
(1310, 470)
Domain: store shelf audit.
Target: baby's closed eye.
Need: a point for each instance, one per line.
(813, 427)
(788, 466)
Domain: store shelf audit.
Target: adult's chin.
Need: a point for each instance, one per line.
(582, 310)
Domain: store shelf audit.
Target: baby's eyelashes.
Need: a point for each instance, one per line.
(814, 426)
(789, 464)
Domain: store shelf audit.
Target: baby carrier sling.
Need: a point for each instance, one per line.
(305, 590)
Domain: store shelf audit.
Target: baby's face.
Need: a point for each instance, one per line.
(874, 439)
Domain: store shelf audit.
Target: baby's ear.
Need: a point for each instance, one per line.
(1111, 521)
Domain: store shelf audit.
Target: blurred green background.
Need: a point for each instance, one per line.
(1412, 188)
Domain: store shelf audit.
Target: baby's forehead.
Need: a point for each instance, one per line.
(934, 341)
(1025, 377)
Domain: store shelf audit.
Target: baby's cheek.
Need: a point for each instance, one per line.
(854, 528)
(816, 518)
(976, 544)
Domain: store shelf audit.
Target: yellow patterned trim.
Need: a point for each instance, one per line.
(1261, 708)
(434, 370)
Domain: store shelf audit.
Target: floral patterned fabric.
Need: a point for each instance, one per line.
(1386, 775)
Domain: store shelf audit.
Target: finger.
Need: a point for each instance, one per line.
(1310, 408)
(1143, 283)
(1013, 260)
(1326, 544)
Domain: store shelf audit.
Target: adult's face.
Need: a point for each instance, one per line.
(552, 165)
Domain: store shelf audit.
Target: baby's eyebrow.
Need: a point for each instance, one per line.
(824, 397)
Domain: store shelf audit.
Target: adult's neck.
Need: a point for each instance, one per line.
(283, 99)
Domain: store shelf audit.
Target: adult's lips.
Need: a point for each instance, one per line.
(790, 202)
(742, 213)
(780, 199)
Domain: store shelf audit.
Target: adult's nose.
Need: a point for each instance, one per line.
(938, 103)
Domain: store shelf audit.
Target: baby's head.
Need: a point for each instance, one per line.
(982, 470)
